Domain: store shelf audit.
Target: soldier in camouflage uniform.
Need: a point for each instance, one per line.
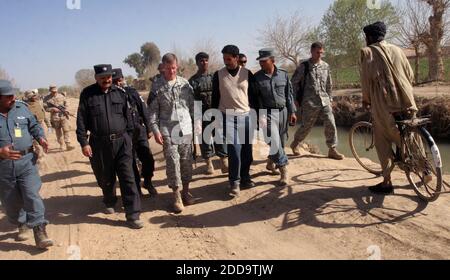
(312, 85)
(36, 107)
(201, 83)
(59, 121)
(171, 115)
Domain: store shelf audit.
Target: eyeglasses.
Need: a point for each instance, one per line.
(243, 62)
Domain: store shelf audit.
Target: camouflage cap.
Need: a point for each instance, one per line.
(53, 88)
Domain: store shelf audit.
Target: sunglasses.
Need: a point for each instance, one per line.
(243, 61)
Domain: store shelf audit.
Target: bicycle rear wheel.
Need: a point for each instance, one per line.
(362, 144)
(424, 164)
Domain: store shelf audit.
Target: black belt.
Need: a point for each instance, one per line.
(279, 109)
(111, 137)
(26, 152)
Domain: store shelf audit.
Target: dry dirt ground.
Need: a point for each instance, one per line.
(326, 213)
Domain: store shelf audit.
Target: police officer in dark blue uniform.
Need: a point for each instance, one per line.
(19, 177)
(102, 130)
(274, 91)
(141, 133)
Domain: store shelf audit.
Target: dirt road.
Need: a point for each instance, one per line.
(326, 213)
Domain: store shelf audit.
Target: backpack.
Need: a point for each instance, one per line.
(301, 91)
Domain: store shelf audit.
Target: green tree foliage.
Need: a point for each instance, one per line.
(145, 63)
(341, 28)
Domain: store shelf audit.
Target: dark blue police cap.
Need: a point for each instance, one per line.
(117, 74)
(265, 54)
(102, 70)
(6, 88)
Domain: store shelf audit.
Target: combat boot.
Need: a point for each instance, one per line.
(178, 205)
(41, 237)
(24, 233)
(271, 167)
(69, 147)
(210, 167)
(295, 148)
(186, 196)
(284, 176)
(334, 154)
(224, 162)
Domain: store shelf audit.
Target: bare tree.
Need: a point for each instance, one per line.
(85, 77)
(288, 36)
(446, 39)
(186, 64)
(413, 16)
(5, 76)
(434, 37)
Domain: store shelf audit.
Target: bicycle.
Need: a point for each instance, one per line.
(418, 156)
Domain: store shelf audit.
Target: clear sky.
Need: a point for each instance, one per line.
(44, 42)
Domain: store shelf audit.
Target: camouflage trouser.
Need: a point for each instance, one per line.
(178, 157)
(62, 129)
(309, 116)
(38, 150)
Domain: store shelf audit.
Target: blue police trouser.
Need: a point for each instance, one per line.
(276, 135)
(239, 134)
(20, 184)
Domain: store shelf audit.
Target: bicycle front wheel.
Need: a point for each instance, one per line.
(424, 165)
(362, 144)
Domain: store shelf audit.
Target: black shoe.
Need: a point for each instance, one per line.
(135, 224)
(235, 190)
(247, 184)
(152, 191)
(382, 189)
(150, 188)
(41, 237)
(110, 210)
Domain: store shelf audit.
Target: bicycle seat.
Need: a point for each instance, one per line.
(415, 122)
